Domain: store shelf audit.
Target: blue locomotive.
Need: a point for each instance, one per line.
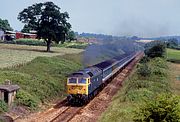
(83, 85)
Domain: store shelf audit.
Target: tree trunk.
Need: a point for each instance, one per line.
(48, 45)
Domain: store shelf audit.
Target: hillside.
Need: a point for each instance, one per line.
(41, 80)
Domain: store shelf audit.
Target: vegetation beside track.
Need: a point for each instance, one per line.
(42, 79)
(147, 95)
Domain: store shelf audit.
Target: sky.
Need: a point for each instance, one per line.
(143, 18)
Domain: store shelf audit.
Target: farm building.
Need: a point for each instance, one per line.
(10, 35)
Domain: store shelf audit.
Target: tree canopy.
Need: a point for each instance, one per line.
(155, 49)
(4, 25)
(71, 36)
(46, 18)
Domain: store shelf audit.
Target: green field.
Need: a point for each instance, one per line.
(12, 55)
(173, 54)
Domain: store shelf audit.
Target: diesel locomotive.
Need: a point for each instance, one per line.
(83, 85)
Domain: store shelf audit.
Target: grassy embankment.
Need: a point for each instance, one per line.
(137, 90)
(43, 78)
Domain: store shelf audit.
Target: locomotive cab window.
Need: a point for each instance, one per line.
(82, 80)
(72, 80)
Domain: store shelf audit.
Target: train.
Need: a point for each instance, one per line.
(84, 84)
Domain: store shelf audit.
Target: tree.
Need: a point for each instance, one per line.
(4, 25)
(47, 20)
(155, 49)
(71, 36)
(172, 43)
(26, 29)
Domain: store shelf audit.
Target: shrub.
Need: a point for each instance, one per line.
(159, 62)
(24, 98)
(137, 84)
(144, 70)
(33, 42)
(3, 106)
(155, 49)
(164, 108)
(139, 94)
(145, 59)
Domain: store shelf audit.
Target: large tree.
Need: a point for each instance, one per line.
(47, 20)
(4, 25)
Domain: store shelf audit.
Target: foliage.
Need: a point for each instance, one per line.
(4, 25)
(3, 106)
(145, 59)
(71, 36)
(26, 29)
(78, 45)
(172, 43)
(47, 20)
(164, 108)
(34, 42)
(24, 98)
(155, 49)
(144, 70)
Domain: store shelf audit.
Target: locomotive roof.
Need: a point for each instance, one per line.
(89, 71)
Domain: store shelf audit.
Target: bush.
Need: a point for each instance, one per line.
(164, 108)
(144, 70)
(155, 49)
(145, 59)
(159, 62)
(24, 98)
(139, 94)
(33, 42)
(3, 106)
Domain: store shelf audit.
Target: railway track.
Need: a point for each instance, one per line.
(62, 112)
(67, 115)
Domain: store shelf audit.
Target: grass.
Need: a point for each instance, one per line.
(78, 45)
(173, 54)
(12, 55)
(42, 79)
(137, 90)
(174, 74)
